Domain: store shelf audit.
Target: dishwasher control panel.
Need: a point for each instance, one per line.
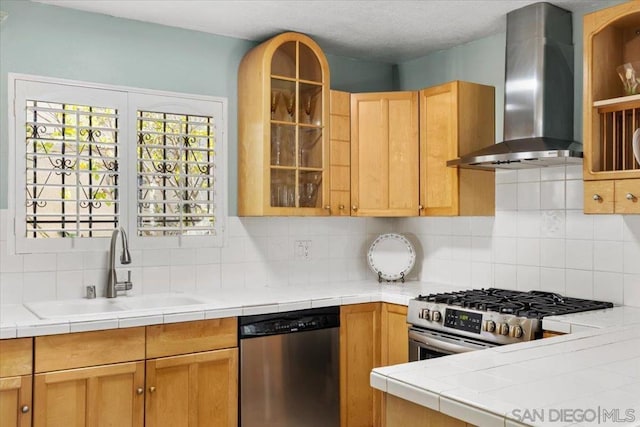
(289, 322)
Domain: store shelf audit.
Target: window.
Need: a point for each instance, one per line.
(90, 158)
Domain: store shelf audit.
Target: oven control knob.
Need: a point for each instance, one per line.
(504, 329)
(424, 314)
(516, 331)
(490, 326)
(436, 316)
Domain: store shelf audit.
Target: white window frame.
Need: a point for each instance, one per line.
(175, 105)
(84, 93)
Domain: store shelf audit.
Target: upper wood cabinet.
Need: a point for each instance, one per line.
(611, 115)
(16, 367)
(384, 154)
(340, 153)
(283, 128)
(455, 118)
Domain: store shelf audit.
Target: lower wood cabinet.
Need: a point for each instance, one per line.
(16, 367)
(193, 390)
(371, 335)
(111, 395)
(402, 413)
(182, 374)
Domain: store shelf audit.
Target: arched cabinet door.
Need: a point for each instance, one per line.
(283, 129)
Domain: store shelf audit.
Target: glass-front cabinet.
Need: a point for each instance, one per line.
(283, 128)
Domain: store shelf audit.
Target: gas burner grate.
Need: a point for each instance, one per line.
(532, 304)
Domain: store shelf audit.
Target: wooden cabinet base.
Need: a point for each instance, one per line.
(110, 395)
(402, 413)
(15, 401)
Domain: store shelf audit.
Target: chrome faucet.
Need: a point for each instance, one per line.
(113, 286)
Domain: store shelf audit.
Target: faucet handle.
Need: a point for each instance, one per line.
(128, 285)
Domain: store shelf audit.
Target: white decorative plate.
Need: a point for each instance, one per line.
(391, 256)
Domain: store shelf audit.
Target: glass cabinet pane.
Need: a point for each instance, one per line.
(283, 62)
(283, 145)
(310, 148)
(310, 104)
(283, 100)
(283, 188)
(309, 65)
(310, 189)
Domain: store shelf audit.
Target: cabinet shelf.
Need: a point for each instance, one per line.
(620, 101)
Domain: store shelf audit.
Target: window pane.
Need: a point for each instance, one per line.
(176, 174)
(71, 160)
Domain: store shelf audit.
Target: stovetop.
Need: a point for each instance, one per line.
(494, 315)
(532, 304)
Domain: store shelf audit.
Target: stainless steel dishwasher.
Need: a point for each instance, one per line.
(289, 369)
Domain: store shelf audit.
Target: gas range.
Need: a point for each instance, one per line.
(496, 316)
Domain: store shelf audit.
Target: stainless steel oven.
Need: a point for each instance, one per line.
(462, 321)
(426, 344)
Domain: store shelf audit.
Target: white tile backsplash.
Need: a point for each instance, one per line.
(539, 238)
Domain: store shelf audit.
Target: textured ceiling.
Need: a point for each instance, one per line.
(387, 31)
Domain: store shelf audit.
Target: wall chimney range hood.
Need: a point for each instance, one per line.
(538, 113)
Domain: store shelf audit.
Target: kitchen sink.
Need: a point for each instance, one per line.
(85, 307)
(147, 302)
(75, 307)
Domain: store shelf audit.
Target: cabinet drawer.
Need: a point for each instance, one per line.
(191, 337)
(598, 197)
(627, 196)
(85, 349)
(16, 357)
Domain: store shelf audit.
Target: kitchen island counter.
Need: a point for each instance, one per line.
(561, 381)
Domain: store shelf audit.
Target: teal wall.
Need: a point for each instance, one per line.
(483, 61)
(480, 61)
(65, 43)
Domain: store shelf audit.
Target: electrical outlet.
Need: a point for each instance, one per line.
(302, 249)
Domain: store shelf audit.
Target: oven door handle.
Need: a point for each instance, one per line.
(437, 344)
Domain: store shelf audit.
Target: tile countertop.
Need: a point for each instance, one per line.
(17, 321)
(588, 320)
(586, 378)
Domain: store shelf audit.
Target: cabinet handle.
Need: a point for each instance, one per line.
(139, 390)
(24, 409)
(596, 197)
(152, 389)
(354, 207)
(420, 207)
(327, 207)
(630, 196)
(341, 207)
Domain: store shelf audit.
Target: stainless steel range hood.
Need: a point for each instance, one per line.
(538, 112)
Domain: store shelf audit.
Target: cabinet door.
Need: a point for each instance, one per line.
(360, 404)
(455, 119)
(384, 154)
(394, 335)
(15, 401)
(627, 196)
(340, 154)
(598, 197)
(111, 395)
(198, 389)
